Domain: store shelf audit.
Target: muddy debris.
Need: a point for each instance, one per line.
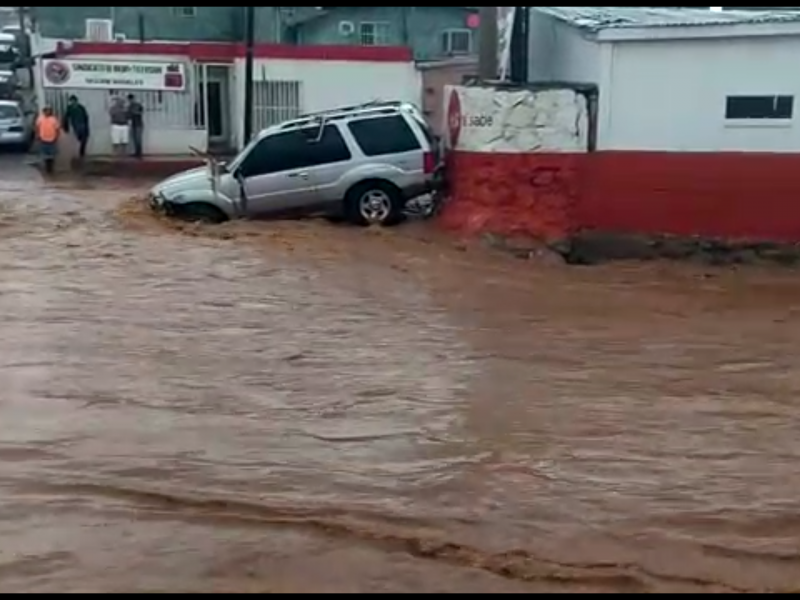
(590, 248)
(526, 248)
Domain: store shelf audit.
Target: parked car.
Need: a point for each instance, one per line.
(361, 163)
(9, 84)
(16, 129)
(8, 48)
(12, 29)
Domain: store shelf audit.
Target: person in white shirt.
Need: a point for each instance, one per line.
(120, 129)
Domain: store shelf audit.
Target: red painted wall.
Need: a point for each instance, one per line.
(752, 196)
(729, 195)
(513, 194)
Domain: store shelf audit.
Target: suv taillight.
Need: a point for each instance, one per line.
(429, 163)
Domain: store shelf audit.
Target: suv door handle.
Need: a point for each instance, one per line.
(302, 175)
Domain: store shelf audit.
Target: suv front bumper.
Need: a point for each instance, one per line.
(160, 205)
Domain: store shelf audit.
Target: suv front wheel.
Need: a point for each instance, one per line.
(374, 203)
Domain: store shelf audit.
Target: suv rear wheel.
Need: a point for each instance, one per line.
(374, 203)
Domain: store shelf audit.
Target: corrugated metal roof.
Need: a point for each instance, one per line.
(596, 18)
(306, 14)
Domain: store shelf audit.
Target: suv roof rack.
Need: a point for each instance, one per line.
(353, 108)
(326, 116)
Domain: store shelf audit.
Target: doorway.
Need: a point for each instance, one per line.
(213, 89)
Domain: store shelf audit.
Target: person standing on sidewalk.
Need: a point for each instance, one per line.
(136, 119)
(76, 119)
(48, 130)
(119, 126)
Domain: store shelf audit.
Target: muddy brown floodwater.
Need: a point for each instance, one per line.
(297, 407)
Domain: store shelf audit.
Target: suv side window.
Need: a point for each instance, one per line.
(295, 150)
(331, 148)
(383, 135)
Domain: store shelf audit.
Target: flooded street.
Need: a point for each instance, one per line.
(298, 407)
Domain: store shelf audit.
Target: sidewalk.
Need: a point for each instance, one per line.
(152, 167)
(149, 167)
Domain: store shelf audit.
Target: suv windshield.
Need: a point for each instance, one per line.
(8, 111)
(239, 158)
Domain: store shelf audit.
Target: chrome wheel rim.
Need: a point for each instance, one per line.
(375, 206)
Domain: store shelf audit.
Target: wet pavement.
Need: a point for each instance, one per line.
(297, 407)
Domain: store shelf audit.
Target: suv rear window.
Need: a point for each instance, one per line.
(384, 135)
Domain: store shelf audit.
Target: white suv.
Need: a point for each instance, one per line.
(363, 163)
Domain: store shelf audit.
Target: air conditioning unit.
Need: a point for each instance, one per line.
(346, 28)
(120, 37)
(99, 30)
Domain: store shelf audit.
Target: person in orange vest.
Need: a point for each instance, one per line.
(48, 129)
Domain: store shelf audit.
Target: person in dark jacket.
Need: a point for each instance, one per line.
(76, 120)
(136, 120)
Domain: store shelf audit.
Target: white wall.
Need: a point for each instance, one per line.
(330, 84)
(670, 95)
(483, 119)
(325, 85)
(558, 52)
(164, 134)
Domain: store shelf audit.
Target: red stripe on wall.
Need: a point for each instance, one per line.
(728, 195)
(222, 52)
(734, 196)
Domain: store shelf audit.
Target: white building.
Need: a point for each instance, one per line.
(193, 93)
(688, 80)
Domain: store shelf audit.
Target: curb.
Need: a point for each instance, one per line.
(137, 168)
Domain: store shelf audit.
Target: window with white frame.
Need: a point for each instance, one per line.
(185, 11)
(374, 33)
(457, 41)
(759, 108)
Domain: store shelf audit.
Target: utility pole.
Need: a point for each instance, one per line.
(21, 19)
(487, 43)
(249, 43)
(25, 42)
(405, 34)
(140, 27)
(520, 43)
